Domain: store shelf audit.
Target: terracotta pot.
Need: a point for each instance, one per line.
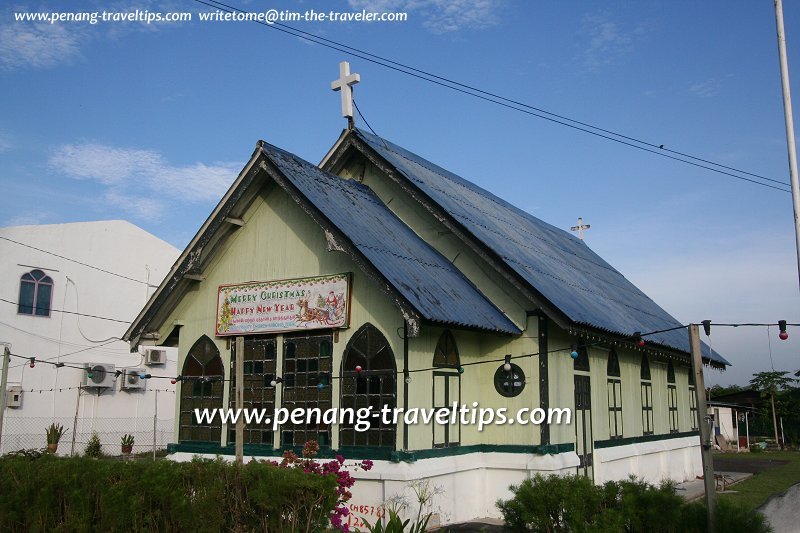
(52, 448)
(127, 448)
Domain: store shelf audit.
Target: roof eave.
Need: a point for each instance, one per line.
(163, 300)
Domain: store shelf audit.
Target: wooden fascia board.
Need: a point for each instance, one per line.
(336, 159)
(410, 314)
(161, 303)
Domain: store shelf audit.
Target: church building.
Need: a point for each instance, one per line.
(378, 278)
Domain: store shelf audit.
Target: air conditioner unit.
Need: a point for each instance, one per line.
(153, 356)
(131, 379)
(14, 396)
(98, 375)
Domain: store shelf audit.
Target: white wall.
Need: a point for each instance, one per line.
(115, 246)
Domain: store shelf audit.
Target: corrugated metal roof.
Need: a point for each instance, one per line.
(558, 265)
(426, 279)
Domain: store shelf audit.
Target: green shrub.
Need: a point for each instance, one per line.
(94, 448)
(81, 494)
(575, 504)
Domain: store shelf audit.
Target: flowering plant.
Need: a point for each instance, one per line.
(344, 479)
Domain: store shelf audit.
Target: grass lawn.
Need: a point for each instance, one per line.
(753, 492)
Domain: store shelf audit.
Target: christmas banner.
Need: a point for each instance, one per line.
(284, 305)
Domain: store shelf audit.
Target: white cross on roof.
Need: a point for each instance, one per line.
(345, 85)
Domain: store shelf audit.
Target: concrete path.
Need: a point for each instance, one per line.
(783, 511)
(695, 488)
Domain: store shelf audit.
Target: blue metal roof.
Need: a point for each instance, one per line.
(425, 278)
(559, 266)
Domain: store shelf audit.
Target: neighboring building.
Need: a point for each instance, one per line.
(383, 279)
(93, 271)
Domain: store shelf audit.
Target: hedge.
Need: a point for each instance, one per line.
(83, 494)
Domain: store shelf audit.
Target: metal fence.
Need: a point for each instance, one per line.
(150, 434)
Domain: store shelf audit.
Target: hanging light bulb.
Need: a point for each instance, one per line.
(460, 369)
(637, 338)
(574, 353)
(507, 364)
(275, 381)
(33, 362)
(358, 368)
(783, 335)
(173, 381)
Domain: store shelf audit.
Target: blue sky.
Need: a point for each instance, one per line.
(151, 123)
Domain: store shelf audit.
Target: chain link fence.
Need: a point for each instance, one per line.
(150, 434)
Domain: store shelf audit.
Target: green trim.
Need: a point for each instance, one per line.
(373, 452)
(611, 443)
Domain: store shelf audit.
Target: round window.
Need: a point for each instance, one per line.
(509, 383)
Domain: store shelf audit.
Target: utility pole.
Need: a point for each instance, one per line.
(705, 430)
(239, 399)
(3, 392)
(787, 112)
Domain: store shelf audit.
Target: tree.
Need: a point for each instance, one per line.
(770, 383)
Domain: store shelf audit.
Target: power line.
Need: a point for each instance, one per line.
(127, 322)
(657, 149)
(78, 262)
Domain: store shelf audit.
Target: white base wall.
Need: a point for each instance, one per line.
(469, 485)
(671, 459)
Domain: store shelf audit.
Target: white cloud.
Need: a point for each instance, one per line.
(604, 40)
(707, 88)
(48, 45)
(141, 207)
(137, 181)
(439, 16)
(27, 220)
(37, 45)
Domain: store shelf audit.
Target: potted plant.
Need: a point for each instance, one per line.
(54, 433)
(127, 443)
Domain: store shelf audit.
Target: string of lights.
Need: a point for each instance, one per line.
(62, 389)
(607, 134)
(87, 265)
(637, 339)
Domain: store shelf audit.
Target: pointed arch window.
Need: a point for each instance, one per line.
(614, 389)
(672, 398)
(647, 397)
(446, 390)
(368, 379)
(581, 363)
(35, 293)
(202, 385)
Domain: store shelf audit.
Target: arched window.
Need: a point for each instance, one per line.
(368, 379)
(581, 363)
(35, 294)
(202, 385)
(446, 353)
(614, 396)
(647, 398)
(446, 389)
(672, 399)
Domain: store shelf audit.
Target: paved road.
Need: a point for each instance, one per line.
(782, 511)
